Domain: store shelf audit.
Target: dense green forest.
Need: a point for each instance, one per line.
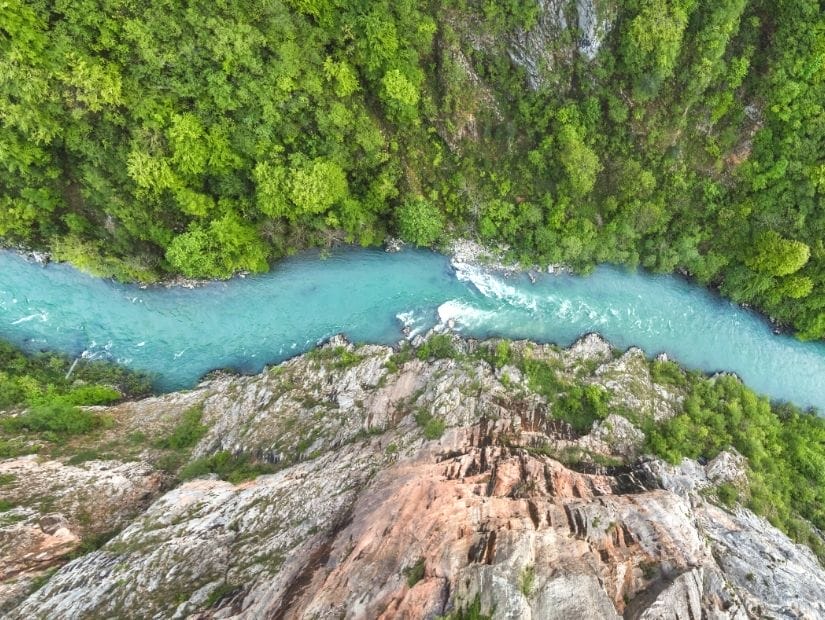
(140, 139)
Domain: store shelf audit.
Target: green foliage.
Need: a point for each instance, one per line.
(691, 141)
(419, 222)
(41, 379)
(234, 468)
(468, 612)
(340, 357)
(223, 591)
(527, 580)
(579, 161)
(652, 40)
(10, 448)
(776, 256)
(83, 456)
(187, 433)
(415, 572)
(432, 426)
(666, 372)
(317, 185)
(436, 347)
(92, 542)
(785, 449)
(581, 405)
(57, 420)
(400, 357)
(727, 494)
(503, 354)
(224, 247)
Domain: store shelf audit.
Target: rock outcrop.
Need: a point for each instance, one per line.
(57, 506)
(412, 488)
(563, 30)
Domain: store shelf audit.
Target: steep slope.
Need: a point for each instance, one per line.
(413, 486)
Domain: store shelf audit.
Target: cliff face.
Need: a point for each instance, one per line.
(563, 31)
(412, 489)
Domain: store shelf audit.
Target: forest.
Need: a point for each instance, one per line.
(144, 139)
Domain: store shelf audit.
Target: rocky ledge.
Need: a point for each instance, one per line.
(405, 485)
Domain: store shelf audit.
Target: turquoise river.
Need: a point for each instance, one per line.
(244, 323)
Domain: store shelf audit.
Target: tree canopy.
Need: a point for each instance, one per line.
(140, 139)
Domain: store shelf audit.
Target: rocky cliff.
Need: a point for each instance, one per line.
(403, 484)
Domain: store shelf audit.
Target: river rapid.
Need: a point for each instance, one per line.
(244, 323)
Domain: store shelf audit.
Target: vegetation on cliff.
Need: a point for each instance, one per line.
(784, 446)
(48, 391)
(146, 138)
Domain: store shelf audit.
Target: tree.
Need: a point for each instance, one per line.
(316, 185)
(579, 161)
(774, 255)
(220, 249)
(651, 43)
(419, 222)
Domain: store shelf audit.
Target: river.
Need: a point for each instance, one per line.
(180, 334)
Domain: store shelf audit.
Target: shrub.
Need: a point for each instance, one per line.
(439, 346)
(432, 426)
(580, 406)
(666, 372)
(415, 572)
(188, 431)
(783, 445)
(727, 494)
(528, 580)
(227, 466)
(58, 419)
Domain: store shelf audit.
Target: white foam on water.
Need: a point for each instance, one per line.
(43, 316)
(462, 314)
(413, 323)
(492, 286)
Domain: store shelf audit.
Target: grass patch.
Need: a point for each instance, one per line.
(341, 357)
(55, 421)
(188, 432)
(7, 479)
(432, 426)
(229, 467)
(470, 612)
(92, 543)
(39, 581)
(399, 358)
(6, 519)
(84, 456)
(415, 572)
(221, 592)
(10, 448)
(527, 580)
